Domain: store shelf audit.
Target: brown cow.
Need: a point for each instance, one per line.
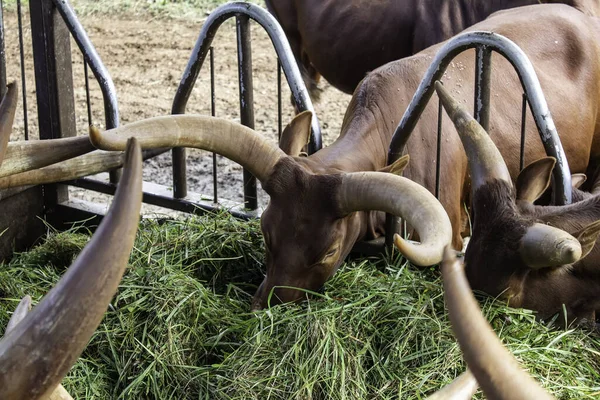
(564, 47)
(535, 256)
(345, 39)
(319, 212)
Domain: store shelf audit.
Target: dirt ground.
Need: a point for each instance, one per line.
(146, 58)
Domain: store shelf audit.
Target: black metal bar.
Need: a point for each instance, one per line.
(23, 78)
(246, 86)
(158, 195)
(282, 48)
(2, 54)
(523, 122)
(109, 93)
(483, 73)
(438, 155)
(54, 82)
(88, 101)
(179, 172)
(213, 112)
(279, 103)
(391, 222)
(529, 81)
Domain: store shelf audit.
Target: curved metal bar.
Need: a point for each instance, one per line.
(107, 86)
(109, 93)
(531, 86)
(282, 48)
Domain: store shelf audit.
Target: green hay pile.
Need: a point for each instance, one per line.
(180, 326)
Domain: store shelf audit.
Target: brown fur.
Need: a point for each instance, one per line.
(493, 263)
(550, 35)
(564, 47)
(345, 39)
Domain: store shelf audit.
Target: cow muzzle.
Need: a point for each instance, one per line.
(269, 295)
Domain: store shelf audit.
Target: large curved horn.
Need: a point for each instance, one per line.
(232, 140)
(20, 312)
(404, 198)
(87, 164)
(27, 155)
(8, 107)
(39, 351)
(494, 367)
(485, 161)
(59, 393)
(462, 388)
(545, 246)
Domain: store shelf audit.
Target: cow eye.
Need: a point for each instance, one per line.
(330, 253)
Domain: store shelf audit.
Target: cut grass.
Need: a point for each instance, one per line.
(180, 325)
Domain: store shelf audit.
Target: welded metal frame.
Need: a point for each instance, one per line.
(60, 12)
(485, 43)
(242, 11)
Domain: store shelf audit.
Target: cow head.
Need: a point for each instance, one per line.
(530, 253)
(314, 216)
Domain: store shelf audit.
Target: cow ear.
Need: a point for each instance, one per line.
(577, 180)
(397, 167)
(297, 134)
(534, 179)
(587, 237)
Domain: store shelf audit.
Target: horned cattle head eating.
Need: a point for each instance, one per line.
(538, 257)
(314, 215)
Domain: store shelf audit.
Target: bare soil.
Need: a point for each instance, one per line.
(146, 57)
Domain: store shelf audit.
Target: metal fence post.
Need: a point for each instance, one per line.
(2, 55)
(483, 74)
(246, 98)
(19, 222)
(54, 82)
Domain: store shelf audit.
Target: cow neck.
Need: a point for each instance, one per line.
(366, 132)
(345, 156)
(479, 10)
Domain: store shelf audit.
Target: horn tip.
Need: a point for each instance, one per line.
(408, 250)
(95, 136)
(449, 260)
(572, 252)
(27, 300)
(132, 151)
(449, 255)
(400, 243)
